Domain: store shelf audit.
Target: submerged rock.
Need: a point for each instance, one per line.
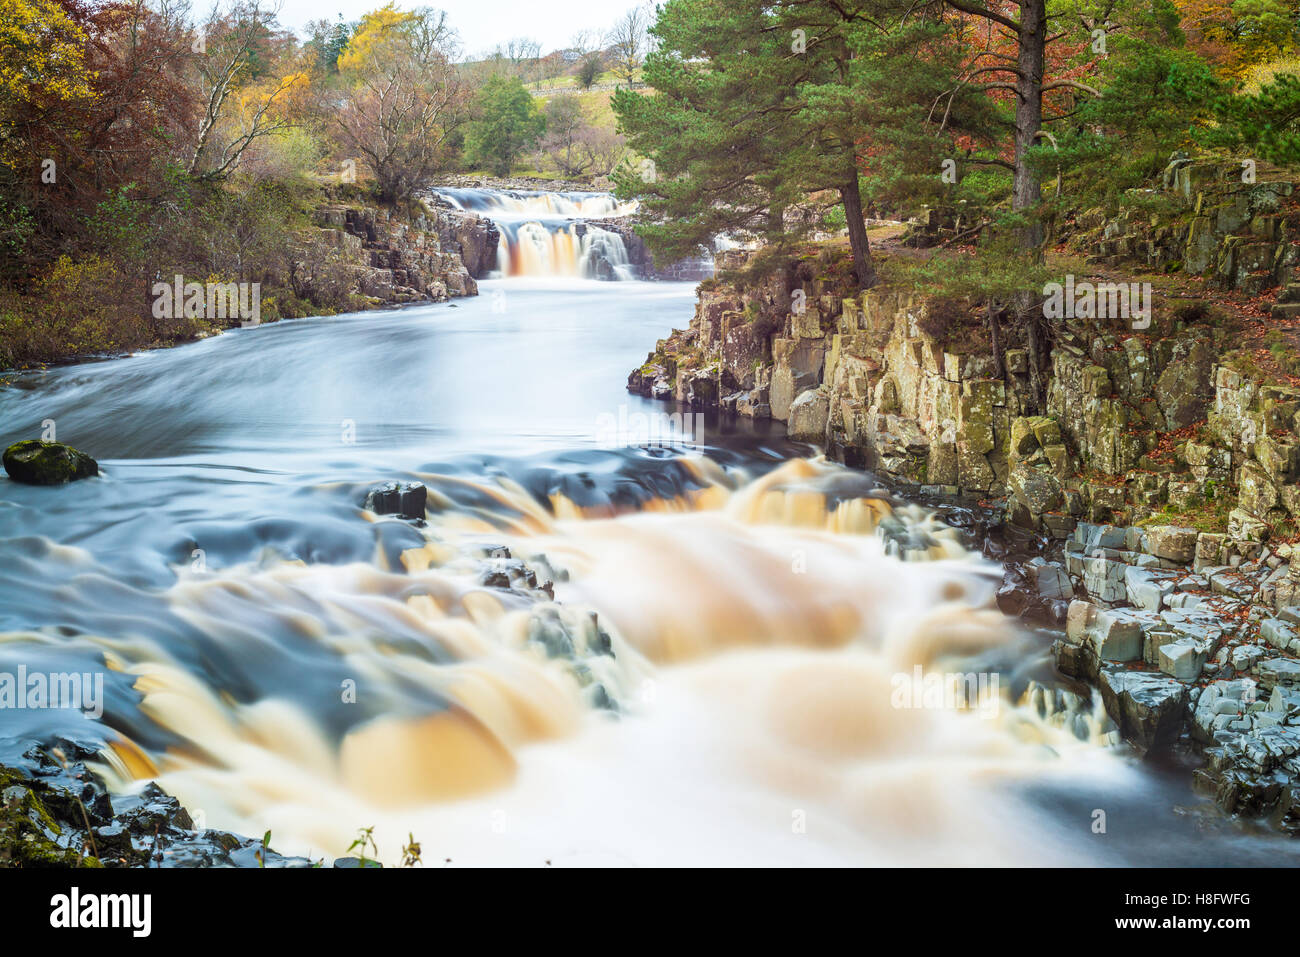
(47, 463)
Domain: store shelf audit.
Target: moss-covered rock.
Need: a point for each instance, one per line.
(47, 463)
(1028, 434)
(1185, 388)
(1038, 490)
(29, 833)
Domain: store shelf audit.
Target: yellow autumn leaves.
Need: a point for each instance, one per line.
(41, 65)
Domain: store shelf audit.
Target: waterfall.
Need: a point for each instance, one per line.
(519, 204)
(551, 234)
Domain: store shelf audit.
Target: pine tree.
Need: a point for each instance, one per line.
(757, 105)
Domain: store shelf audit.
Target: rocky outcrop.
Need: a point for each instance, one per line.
(1232, 222)
(860, 375)
(1148, 709)
(474, 238)
(54, 812)
(1193, 640)
(381, 258)
(1133, 422)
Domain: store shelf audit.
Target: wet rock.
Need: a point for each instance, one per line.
(548, 630)
(65, 818)
(1148, 708)
(1237, 791)
(34, 462)
(512, 573)
(1051, 581)
(404, 499)
(1286, 814)
(1013, 596)
(599, 698)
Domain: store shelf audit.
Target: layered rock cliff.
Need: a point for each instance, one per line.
(381, 258)
(1132, 418)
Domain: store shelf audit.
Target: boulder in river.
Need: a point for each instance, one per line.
(405, 499)
(47, 463)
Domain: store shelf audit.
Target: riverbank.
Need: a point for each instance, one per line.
(1147, 461)
(322, 250)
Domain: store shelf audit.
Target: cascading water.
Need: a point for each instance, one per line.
(552, 234)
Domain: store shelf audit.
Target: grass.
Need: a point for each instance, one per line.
(568, 83)
(1211, 517)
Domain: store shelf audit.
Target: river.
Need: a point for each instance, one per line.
(734, 628)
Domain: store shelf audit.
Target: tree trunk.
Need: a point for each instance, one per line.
(1026, 191)
(863, 268)
(995, 335)
(776, 222)
(1034, 340)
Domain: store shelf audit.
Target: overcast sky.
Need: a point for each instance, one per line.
(482, 24)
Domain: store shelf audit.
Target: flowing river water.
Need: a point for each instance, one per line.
(717, 681)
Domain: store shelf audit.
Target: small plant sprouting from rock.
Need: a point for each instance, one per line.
(411, 852)
(365, 839)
